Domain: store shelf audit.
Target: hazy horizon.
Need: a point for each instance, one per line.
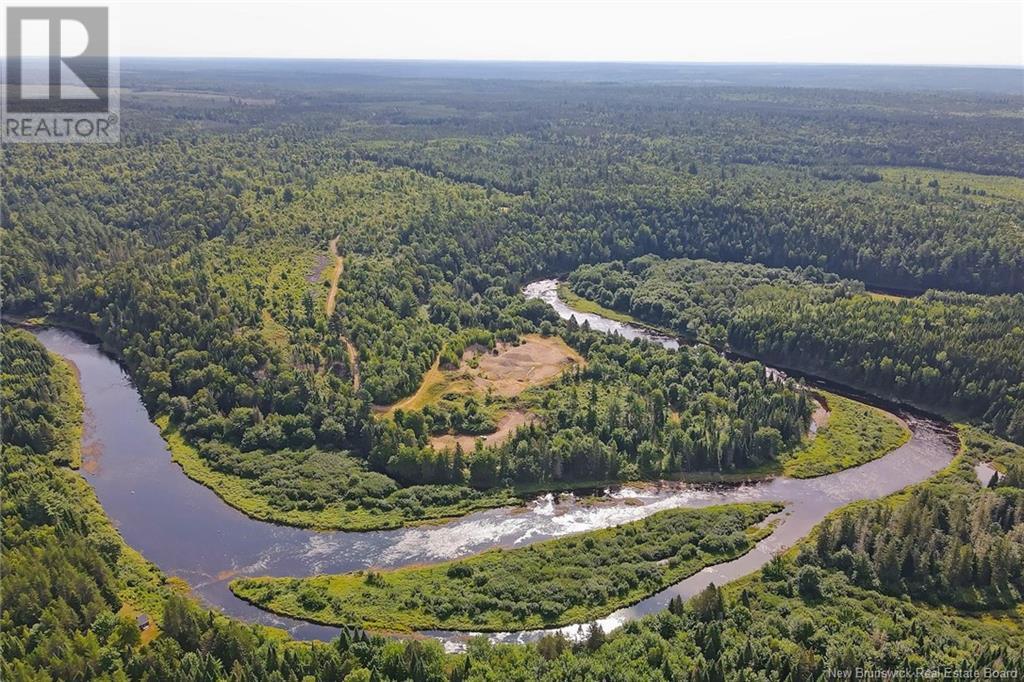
(526, 60)
(734, 32)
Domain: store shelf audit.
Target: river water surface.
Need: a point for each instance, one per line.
(189, 532)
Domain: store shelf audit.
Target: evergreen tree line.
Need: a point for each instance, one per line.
(955, 352)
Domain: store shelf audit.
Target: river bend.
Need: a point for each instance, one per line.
(189, 532)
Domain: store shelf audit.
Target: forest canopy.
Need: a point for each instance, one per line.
(279, 262)
(950, 351)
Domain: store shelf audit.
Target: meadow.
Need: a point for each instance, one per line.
(854, 433)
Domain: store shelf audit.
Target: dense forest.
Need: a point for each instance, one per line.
(949, 351)
(832, 603)
(72, 588)
(42, 408)
(197, 252)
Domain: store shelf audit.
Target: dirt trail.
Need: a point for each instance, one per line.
(353, 362)
(339, 267)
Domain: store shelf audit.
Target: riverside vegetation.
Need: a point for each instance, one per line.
(42, 407)
(828, 603)
(72, 587)
(853, 434)
(195, 252)
(945, 350)
(557, 582)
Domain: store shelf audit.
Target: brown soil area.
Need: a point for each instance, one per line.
(513, 369)
(819, 419)
(506, 427)
(507, 372)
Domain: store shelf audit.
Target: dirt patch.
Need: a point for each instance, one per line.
(819, 420)
(513, 369)
(316, 274)
(506, 427)
(506, 372)
(332, 294)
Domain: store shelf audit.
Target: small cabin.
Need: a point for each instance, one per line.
(142, 620)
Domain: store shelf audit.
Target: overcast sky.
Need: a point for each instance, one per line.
(818, 31)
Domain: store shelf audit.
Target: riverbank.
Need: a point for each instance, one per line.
(208, 542)
(853, 435)
(236, 491)
(557, 582)
(803, 366)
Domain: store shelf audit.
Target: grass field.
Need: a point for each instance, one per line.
(995, 187)
(854, 434)
(557, 582)
(577, 302)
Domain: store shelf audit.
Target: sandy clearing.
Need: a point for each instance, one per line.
(507, 372)
(353, 362)
(513, 369)
(507, 425)
(316, 273)
(819, 420)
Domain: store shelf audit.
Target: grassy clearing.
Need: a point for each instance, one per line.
(434, 385)
(272, 278)
(494, 382)
(246, 496)
(557, 582)
(273, 333)
(854, 434)
(954, 183)
(332, 276)
(287, 283)
(878, 296)
(577, 302)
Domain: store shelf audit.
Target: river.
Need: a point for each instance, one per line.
(189, 532)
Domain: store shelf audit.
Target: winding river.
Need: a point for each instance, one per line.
(189, 532)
